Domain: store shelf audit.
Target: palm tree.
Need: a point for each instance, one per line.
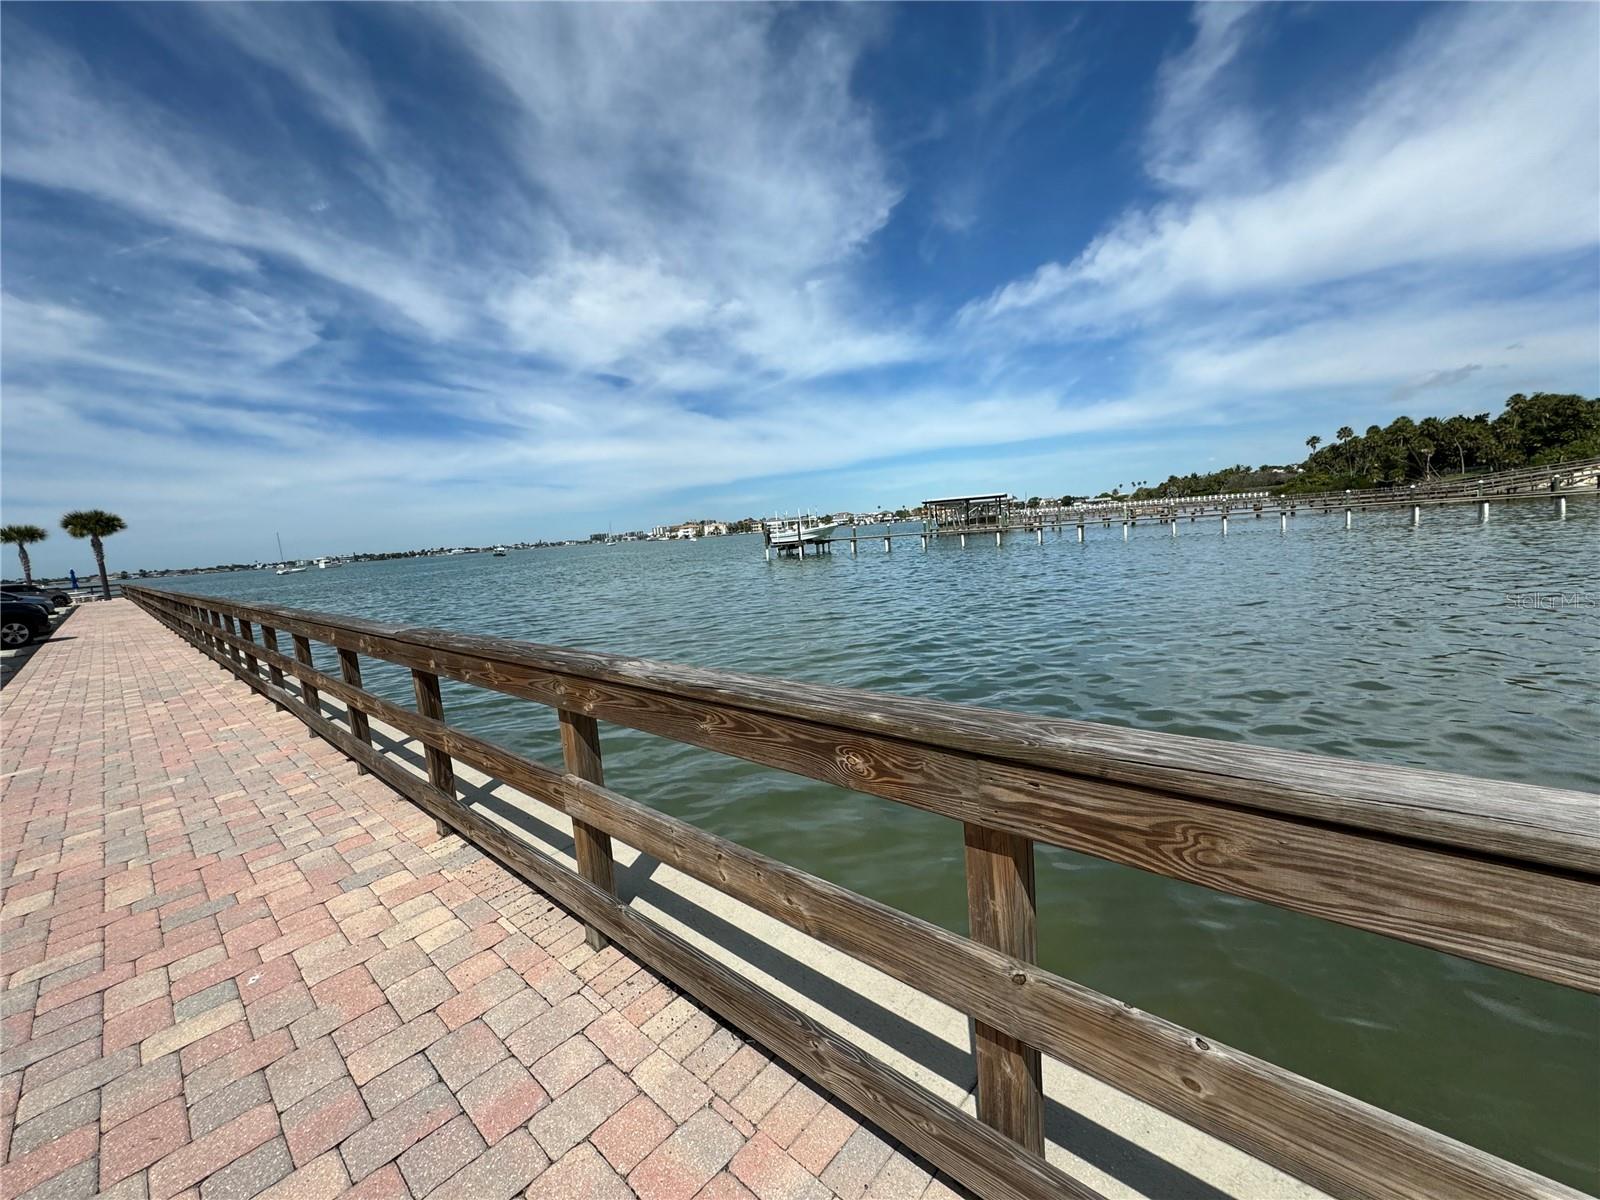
(95, 524)
(22, 536)
(1344, 435)
(1313, 441)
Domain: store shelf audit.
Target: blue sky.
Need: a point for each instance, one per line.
(377, 276)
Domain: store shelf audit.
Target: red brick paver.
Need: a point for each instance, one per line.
(233, 967)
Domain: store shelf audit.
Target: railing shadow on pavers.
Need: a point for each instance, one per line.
(1117, 1156)
(1500, 873)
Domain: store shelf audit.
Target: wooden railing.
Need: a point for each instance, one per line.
(1501, 873)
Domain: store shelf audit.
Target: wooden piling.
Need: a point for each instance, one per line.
(1483, 512)
(350, 672)
(308, 694)
(269, 639)
(250, 661)
(1416, 514)
(231, 650)
(1347, 518)
(580, 751)
(1561, 507)
(1001, 913)
(430, 704)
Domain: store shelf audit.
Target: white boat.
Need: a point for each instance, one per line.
(325, 562)
(792, 531)
(285, 568)
(499, 552)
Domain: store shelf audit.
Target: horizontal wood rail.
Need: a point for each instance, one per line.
(1506, 874)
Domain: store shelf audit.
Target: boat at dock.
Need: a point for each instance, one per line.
(794, 531)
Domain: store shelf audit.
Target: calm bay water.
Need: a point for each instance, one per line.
(1382, 643)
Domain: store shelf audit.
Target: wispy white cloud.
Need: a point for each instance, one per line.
(1202, 135)
(302, 43)
(1478, 148)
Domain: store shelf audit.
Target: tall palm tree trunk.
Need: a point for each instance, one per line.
(27, 567)
(99, 549)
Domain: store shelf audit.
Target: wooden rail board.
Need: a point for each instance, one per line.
(1549, 826)
(1338, 1143)
(1540, 922)
(1284, 1119)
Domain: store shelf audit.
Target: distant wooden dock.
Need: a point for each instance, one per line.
(990, 516)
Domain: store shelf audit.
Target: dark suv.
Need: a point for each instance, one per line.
(57, 596)
(21, 623)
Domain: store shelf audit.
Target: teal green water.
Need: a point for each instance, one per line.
(1383, 643)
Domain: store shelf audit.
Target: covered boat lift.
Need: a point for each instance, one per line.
(967, 514)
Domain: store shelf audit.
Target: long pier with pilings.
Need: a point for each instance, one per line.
(1553, 485)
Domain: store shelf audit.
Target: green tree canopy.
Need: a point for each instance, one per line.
(1533, 430)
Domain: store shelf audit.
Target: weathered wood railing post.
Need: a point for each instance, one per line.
(430, 704)
(580, 750)
(350, 672)
(1001, 914)
(216, 623)
(309, 695)
(269, 639)
(233, 651)
(247, 631)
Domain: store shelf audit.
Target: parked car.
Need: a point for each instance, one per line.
(21, 623)
(43, 602)
(60, 597)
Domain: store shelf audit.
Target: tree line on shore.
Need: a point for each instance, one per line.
(1531, 431)
(92, 523)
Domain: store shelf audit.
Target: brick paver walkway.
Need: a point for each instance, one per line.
(235, 968)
